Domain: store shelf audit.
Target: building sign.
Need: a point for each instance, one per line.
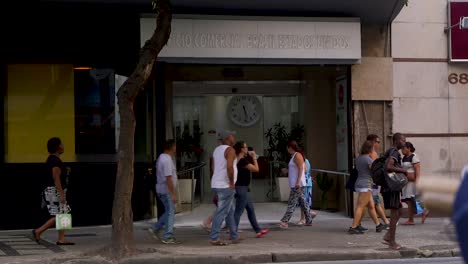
(197, 38)
(458, 40)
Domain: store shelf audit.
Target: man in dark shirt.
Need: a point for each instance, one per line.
(392, 198)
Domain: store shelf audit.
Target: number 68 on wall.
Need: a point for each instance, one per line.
(455, 78)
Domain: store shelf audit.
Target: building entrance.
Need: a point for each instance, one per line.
(266, 106)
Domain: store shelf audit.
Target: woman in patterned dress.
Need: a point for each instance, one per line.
(54, 194)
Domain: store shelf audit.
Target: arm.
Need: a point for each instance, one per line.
(390, 166)
(299, 160)
(253, 167)
(417, 170)
(230, 157)
(56, 172)
(211, 167)
(170, 186)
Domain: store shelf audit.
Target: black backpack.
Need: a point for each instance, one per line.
(378, 171)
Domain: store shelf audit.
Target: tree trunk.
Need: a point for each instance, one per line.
(122, 215)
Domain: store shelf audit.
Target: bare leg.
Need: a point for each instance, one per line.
(363, 200)
(411, 208)
(390, 236)
(381, 213)
(302, 217)
(44, 227)
(372, 213)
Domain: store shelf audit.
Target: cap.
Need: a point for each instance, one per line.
(223, 134)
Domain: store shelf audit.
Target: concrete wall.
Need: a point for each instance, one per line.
(426, 107)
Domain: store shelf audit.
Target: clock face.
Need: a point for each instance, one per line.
(244, 110)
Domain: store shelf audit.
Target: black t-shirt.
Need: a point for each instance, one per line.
(243, 174)
(394, 154)
(52, 162)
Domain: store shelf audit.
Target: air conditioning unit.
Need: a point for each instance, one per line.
(464, 22)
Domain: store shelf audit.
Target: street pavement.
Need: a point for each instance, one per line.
(326, 240)
(455, 260)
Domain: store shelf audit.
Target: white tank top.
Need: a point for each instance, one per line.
(220, 176)
(293, 172)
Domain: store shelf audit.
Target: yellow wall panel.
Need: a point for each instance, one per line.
(39, 105)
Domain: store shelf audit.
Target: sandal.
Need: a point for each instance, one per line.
(283, 225)
(408, 223)
(395, 247)
(218, 243)
(262, 233)
(301, 223)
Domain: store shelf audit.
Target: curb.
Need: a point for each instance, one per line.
(301, 256)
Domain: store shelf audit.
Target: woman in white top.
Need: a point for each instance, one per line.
(412, 163)
(297, 183)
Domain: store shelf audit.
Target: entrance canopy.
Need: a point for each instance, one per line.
(369, 11)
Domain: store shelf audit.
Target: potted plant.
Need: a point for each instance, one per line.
(325, 184)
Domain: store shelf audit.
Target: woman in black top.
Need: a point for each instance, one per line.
(243, 200)
(54, 194)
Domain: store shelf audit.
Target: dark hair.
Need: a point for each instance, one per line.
(366, 147)
(169, 144)
(53, 145)
(397, 136)
(372, 137)
(294, 146)
(239, 146)
(410, 146)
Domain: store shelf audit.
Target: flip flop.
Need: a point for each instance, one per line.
(283, 225)
(218, 243)
(408, 223)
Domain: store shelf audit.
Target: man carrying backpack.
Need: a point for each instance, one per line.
(391, 196)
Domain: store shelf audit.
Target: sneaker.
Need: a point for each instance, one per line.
(361, 228)
(155, 233)
(386, 227)
(355, 231)
(379, 228)
(170, 240)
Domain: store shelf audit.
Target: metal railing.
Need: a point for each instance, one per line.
(193, 173)
(345, 179)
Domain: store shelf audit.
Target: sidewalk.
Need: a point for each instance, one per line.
(325, 240)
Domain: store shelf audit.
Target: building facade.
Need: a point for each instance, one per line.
(430, 91)
(320, 72)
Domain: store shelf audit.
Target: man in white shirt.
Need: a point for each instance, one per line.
(166, 174)
(223, 185)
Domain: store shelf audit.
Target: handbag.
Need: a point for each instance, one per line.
(63, 220)
(396, 181)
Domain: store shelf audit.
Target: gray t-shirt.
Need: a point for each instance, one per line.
(364, 179)
(165, 167)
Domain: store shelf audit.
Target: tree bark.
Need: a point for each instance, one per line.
(122, 215)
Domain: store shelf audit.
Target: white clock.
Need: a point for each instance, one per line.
(244, 110)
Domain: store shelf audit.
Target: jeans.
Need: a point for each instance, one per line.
(297, 196)
(243, 201)
(224, 211)
(167, 219)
